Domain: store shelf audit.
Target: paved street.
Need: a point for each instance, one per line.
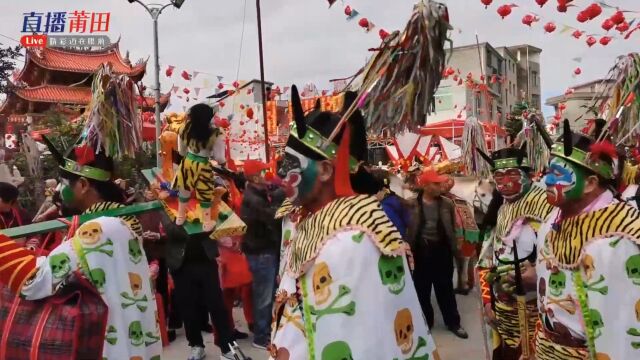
(450, 347)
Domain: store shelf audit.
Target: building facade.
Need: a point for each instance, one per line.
(511, 74)
(576, 104)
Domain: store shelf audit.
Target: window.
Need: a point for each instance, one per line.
(534, 75)
(444, 102)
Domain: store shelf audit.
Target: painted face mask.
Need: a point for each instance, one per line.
(298, 174)
(565, 182)
(511, 183)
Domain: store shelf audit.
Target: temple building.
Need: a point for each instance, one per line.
(60, 80)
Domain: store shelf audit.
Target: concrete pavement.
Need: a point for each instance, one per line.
(449, 346)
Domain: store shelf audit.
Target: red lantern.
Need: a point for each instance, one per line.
(594, 10)
(550, 27)
(236, 84)
(459, 82)
(541, 2)
(169, 71)
(608, 24)
(383, 34)
(591, 41)
(577, 71)
(224, 123)
(450, 71)
(504, 11)
(618, 17)
(186, 91)
(486, 3)
(347, 10)
(563, 106)
(582, 16)
(605, 40)
(562, 8)
(220, 86)
(623, 27)
(363, 23)
(185, 75)
(221, 104)
(528, 19)
(250, 113)
(577, 34)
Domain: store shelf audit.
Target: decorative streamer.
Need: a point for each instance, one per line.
(473, 139)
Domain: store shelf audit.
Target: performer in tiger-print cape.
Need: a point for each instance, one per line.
(519, 219)
(588, 266)
(198, 140)
(345, 269)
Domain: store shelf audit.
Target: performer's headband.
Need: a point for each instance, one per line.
(583, 158)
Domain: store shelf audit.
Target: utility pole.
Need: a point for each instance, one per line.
(262, 85)
(155, 10)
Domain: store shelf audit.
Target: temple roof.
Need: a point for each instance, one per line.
(56, 94)
(83, 62)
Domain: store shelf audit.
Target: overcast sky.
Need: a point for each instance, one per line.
(307, 42)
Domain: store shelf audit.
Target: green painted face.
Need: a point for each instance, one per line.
(565, 181)
(299, 175)
(66, 194)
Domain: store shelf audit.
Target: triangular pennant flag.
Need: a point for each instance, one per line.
(565, 28)
(220, 78)
(184, 108)
(577, 59)
(195, 73)
(174, 89)
(331, 2)
(354, 14)
(197, 90)
(605, 5)
(286, 88)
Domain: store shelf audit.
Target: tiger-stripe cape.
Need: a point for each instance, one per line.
(361, 212)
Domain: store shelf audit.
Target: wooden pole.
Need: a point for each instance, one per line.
(262, 85)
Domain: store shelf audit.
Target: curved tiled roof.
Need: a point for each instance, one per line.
(56, 94)
(84, 62)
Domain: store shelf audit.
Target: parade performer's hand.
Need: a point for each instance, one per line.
(150, 236)
(490, 314)
(154, 269)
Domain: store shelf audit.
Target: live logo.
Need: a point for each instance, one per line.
(34, 40)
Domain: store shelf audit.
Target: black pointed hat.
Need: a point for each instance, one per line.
(309, 132)
(583, 150)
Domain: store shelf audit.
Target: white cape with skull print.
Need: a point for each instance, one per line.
(117, 266)
(609, 267)
(359, 304)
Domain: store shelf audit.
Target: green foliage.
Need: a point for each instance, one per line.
(7, 65)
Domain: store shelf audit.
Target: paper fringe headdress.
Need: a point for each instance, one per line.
(113, 123)
(473, 146)
(112, 126)
(538, 143)
(619, 101)
(399, 82)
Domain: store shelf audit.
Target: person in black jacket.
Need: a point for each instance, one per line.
(261, 245)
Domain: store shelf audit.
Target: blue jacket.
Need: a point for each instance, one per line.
(397, 212)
